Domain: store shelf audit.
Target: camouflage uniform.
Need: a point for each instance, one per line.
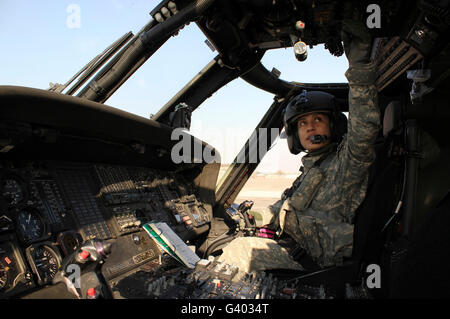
(320, 212)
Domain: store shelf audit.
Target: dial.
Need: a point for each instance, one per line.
(8, 269)
(31, 227)
(3, 275)
(12, 191)
(46, 262)
(6, 223)
(14, 275)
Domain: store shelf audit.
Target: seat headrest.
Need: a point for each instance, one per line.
(392, 117)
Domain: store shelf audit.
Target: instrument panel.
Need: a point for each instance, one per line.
(47, 209)
(15, 275)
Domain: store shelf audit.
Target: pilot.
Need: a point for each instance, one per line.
(314, 218)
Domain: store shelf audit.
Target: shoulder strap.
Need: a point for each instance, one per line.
(290, 191)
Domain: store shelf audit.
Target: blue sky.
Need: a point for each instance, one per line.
(38, 47)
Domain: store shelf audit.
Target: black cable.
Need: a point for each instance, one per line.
(217, 243)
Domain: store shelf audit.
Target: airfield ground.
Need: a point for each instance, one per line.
(262, 188)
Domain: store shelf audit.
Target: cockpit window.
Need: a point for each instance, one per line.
(319, 67)
(227, 119)
(165, 73)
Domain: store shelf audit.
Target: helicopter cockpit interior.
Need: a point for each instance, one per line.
(92, 211)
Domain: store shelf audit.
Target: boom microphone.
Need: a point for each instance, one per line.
(317, 139)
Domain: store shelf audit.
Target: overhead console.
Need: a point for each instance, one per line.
(73, 170)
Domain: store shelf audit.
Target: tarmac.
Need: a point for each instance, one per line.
(265, 189)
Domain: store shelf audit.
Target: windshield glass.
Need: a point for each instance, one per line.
(64, 37)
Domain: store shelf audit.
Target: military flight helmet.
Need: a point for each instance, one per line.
(312, 102)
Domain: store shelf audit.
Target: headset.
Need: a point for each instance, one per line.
(313, 102)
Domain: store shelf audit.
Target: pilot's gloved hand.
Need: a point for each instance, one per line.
(357, 42)
(357, 47)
